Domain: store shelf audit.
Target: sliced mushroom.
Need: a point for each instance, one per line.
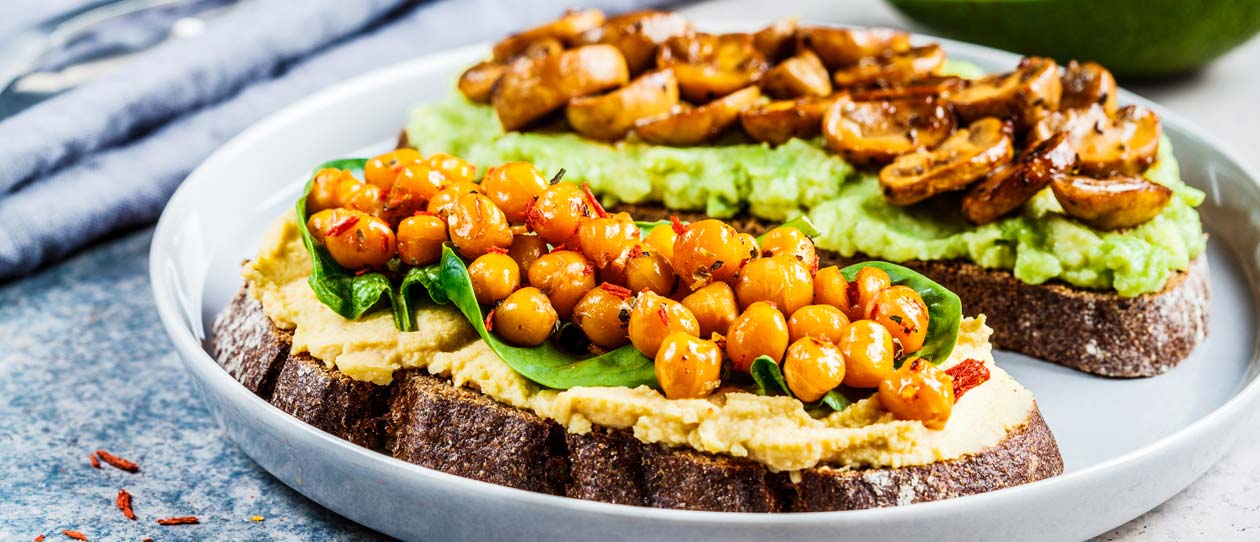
(477, 82)
(709, 66)
(1010, 186)
(610, 116)
(1088, 83)
(638, 35)
(1023, 96)
(777, 122)
(799, 76)
(776, 41)
(695, 125)
(842, 47)
(1118, 201)
(566, 29)
(529, 92)
(933, 85)
(893, 68)
(876, 132)
(957, 162)
(1125, 143)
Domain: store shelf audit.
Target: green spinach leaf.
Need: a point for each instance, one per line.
(944, 307)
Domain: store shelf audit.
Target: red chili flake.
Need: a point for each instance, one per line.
(39, 538)
(96, 463)
(589, 269)
(851, 293)
(181, 520)
(617, 290)
(679, 228)
(123, 502)
(343, 226)
(660, 313)
(423, 213)
(496, 250)
(118, 462)
(594, 203)
(74, 534)
(384, 244)
(558, 248)
(967, 375)
(635, 252)
(363, 271)
(490, 320)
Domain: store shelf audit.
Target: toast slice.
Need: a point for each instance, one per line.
(428, 421)
(1092, 331)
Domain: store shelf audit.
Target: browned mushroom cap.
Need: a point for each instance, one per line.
(938, 86)
(957, 162)
(1125, 143)
(477, 82)
(892, 68)
(874, 133)
(638, 35)
(1088, 83)
(566, 29)
(777, 122)
(841, 47)
(710, 66)
(1119, 201)
(695, 125)
(1022, 96)
(610, 116)
(801, 75)
(1008, 187)
(528, 92)
(776, 41)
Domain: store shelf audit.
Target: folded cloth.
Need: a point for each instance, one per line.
(127, 184)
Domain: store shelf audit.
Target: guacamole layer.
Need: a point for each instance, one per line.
(1039, 244)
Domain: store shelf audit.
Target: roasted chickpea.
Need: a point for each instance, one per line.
(903, 312)
(714, 307)
(440, 203)
(688, 367)
(558, 212)
(526, 249)
(603, 314)
(868, 354)
(420, 239)
(654, 317)
(830, 288)
(494, 275)
(565, 275)
(366, 198)
(525, 318)
(513, 187)
(380, 170)
(330, 189)
(749, 245)
(661, 241)
(477, 225)
(760, 331)
(919, 391)
(781, 280)
(453, 167)
(415, 184)
(356, 240)
(822, 322)
(605, 239)
(812, 368)
(868, 282)
(708, 251)
(650, 271)
(789, 240)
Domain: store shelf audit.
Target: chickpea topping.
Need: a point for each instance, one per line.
(441, 203)
(868, 354)
(420, 239)
(650, 271)
(513, 187)
(565, 276)
(604, 316)
(415, 184)
(781, 280)
(654, 317)
(830, 288)
(918, 391)
(868, 282)
(822, 322)
(381, 170)
(605, 239)
(453, 167)
(526, 249)
(558, 212)
(708, 251)
(903, 312)
(477, 225)
(365, 198)
(688, 367)
(331, 188)
(525, 318)
(789, 240)
(812, 368)
(495, 276)
(760, 331)
(354, 239)
(714, 307)
(661, 241)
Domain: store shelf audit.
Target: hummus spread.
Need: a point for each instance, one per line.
(775, 431)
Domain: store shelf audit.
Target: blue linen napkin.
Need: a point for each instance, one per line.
(106, 156)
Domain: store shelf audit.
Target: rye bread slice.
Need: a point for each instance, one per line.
(1093, 331)
(428, 421)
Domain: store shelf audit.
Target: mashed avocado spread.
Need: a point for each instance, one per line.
(1039, 244)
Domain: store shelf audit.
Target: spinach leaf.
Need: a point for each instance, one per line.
(546, 364)
(769, 378)
(944, 307)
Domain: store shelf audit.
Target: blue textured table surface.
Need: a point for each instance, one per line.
(85, 365)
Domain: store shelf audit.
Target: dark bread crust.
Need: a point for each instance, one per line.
(1092, 331)
(428, 421)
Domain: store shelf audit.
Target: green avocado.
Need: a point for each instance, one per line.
(800, 177)
(1132, 38)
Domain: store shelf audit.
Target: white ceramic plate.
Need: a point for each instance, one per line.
(1128, 444)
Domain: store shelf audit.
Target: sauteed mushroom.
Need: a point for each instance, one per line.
(527, 94)
(876, 132)
(710, 66)
(1008, 187)
(775, 41)
(801, 75)
(892, 68)
(566, 29)
(841, 47)
(1023, 96)
(638, 35)
(1127, 142)
(610, 116)
(477, 83)
(933, 85)
(777, 122)
(694, 125)
(1118, 201)
(957, 162)
(1088, 83)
